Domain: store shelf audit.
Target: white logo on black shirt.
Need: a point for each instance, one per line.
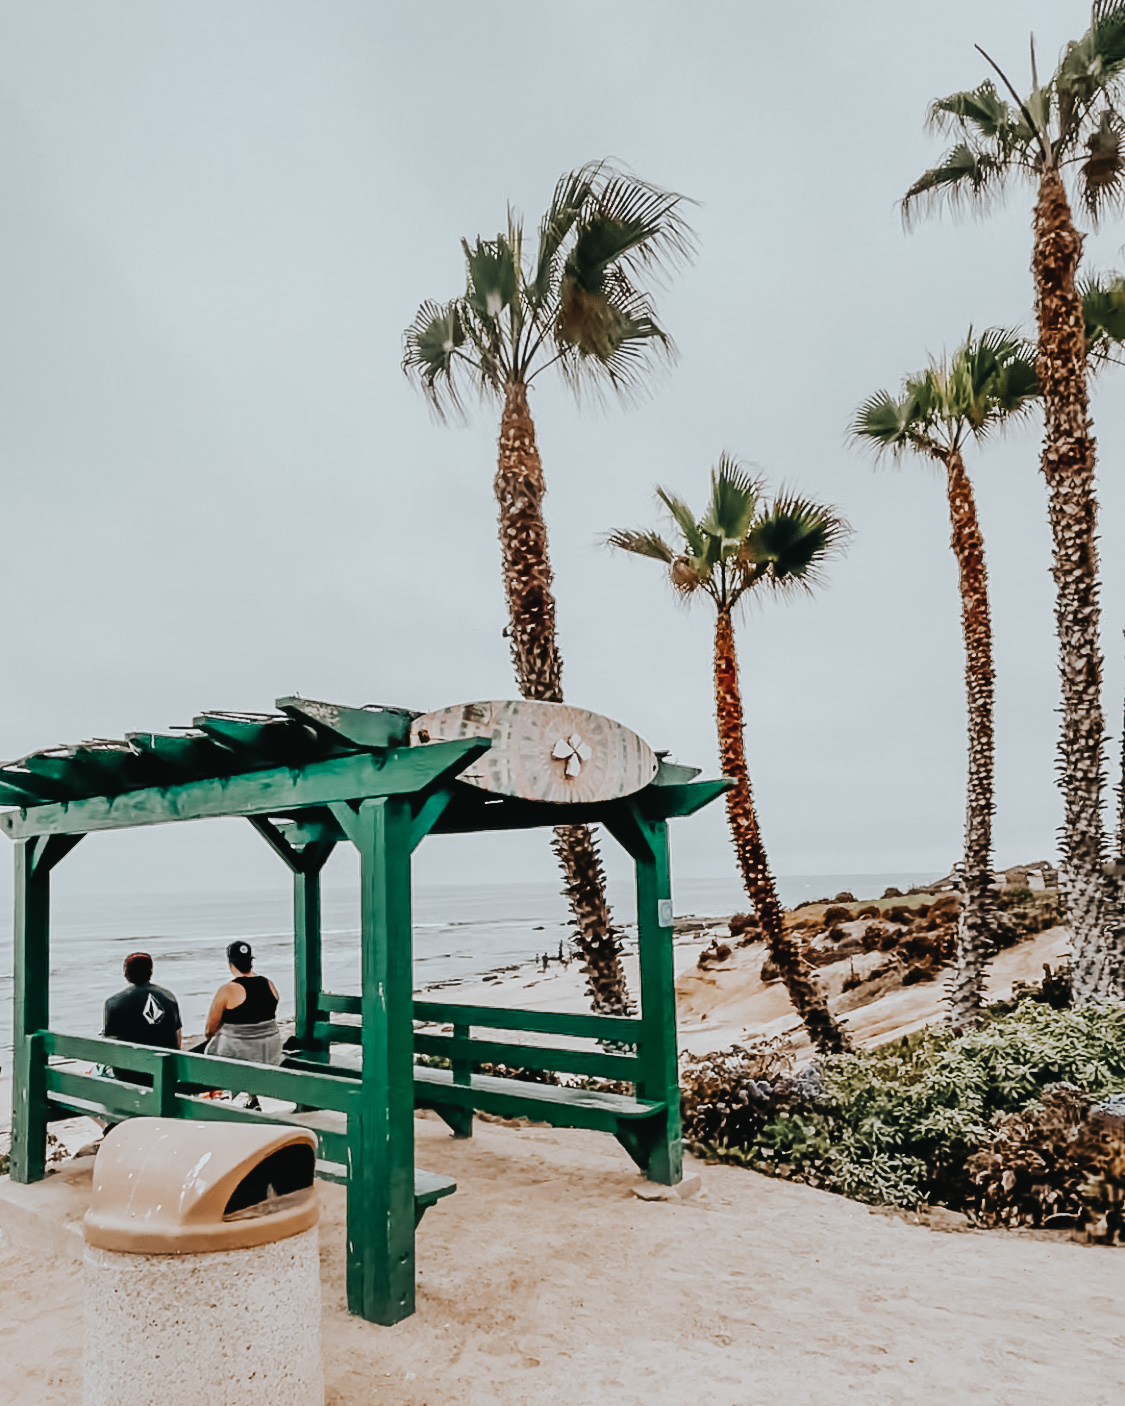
(153, 1012)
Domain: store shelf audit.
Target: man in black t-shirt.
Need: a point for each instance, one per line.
(142, 1014)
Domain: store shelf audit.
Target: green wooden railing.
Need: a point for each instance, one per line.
(465, 1051)
(180, 1079)
(178, 1082)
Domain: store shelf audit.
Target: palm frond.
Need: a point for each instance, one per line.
(430, 345)
(735, 496)
(1102, 173)
(609, 337)
(980, 112)
(644, 224)
(575, 306)
(968, 174)
(685, 521)
(988, 381)
(1040, 107)
(742, 542)
(887, 423)
(573, 193)
(606, 329)
(641, 544)
(491, 270)
(685, 573)
(792, 540)
(992, 380)
(1103, 311)
(1091, 68)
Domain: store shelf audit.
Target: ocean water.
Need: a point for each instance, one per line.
(460, 932)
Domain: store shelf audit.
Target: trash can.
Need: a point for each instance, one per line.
(202, 1267)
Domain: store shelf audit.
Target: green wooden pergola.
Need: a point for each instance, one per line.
(308, 778)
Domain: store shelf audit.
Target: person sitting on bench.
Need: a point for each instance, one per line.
(142, 1014)
(240, 1023)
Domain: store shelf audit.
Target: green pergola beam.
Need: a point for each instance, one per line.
(185, 756)
(269, 740)
(398, 772)
(17, 789)
(470, 811)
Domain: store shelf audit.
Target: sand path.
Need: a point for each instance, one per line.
(544, 1280)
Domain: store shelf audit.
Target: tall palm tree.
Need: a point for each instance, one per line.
(1103, 312)
(988, 380)
(745, 544)
(577, 303)
(1066, 130)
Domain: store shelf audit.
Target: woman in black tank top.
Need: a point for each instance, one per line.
(260, 1002)
(241, 1023)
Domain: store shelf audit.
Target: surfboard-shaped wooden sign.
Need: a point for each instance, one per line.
(544, 751)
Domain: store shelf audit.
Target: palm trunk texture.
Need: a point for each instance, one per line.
(974, 923)
(785, 949)
(1068, 467)
(535, 654)
(1114, 914)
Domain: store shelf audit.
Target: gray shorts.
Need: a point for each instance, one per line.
(257, 1044)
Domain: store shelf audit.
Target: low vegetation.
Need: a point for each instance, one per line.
(999, 1123)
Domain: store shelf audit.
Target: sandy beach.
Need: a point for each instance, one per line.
(546, 1280)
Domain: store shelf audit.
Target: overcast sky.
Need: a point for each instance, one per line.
(220, 488)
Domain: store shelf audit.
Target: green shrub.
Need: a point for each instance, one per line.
(897, 1125)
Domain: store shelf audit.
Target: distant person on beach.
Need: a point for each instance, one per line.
(142, 1014)
(240, 1023)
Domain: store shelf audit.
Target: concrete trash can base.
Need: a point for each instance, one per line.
(202, 1267)
(238, 1326)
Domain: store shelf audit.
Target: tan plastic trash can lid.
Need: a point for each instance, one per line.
(162, 1186)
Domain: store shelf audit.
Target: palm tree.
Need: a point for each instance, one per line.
(577, 304)
(1103, 314)
(743, 544)
(1067, 129)
(987, 381)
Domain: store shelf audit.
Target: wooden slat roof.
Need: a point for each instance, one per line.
(217, 744)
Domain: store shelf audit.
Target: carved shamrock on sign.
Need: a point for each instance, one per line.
(574, 751)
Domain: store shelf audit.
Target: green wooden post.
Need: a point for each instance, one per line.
(659, 1054)
(32, 1001)
(305, 863)
(462, 1066)
(307, 964)
(460, 1120)
(380, 1271)
(647, 842)
(164, 1082)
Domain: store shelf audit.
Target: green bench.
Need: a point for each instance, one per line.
(178, 1079)
(637, 1124)
(454, 1086)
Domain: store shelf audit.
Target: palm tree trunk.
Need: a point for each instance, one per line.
(974, 927)
(1068, 466)
(808, 1000)
(519, 489)
(1116, 984)
(1113, 985)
